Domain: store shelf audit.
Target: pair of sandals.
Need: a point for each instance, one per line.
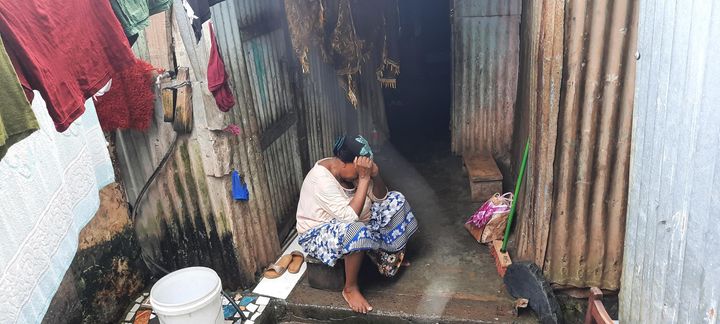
(290, 262)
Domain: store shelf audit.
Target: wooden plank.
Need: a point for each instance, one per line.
(502, 259)
(277, 129)
(158, 36)
(482, 167)
(168, 100)
(481, 191)
(183, 120)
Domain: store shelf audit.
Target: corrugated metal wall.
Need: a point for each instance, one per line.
(593, 144)
(188, 216)
(540, 76)
(256, 29)
(274, 90)
(328, 113)
(485, 68)
(573, 210)
(370, 113)
(324, 105)
(671, 271)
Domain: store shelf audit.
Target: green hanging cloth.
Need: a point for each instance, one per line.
(17, 119)
(134, 15)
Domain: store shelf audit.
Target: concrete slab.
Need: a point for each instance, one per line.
(452, 278)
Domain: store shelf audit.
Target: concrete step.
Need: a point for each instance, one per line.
(313, 306)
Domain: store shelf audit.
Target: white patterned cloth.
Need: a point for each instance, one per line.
(49, 190)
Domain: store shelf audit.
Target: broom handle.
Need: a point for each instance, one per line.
(503, 249)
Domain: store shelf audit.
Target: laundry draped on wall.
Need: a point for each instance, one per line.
(17, 120)
(49, 191)
(348, 33)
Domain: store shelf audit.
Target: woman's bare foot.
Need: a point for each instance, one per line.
(356, 300)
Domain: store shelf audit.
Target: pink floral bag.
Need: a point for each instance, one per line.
(488, 222)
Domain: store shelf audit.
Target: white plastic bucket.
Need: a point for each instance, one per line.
(188, 296)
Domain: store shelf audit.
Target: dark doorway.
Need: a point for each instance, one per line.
(419, 109)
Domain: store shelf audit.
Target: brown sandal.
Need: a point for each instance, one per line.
(297, 261)
(277, 269)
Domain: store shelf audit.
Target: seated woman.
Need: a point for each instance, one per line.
(345, 211)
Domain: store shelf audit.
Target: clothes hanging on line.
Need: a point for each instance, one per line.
(199, 13)
(134, 14)
(17, 119)
(49, 191)
(130, 102)
(67, 50)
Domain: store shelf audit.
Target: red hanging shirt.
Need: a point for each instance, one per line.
(217, 77)
(67, 50)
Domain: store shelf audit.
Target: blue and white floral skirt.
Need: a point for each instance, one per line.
(384, 237)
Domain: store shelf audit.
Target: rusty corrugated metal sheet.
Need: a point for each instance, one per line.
(188, 216)
(248, 155)
(327, 111)
(540, 76)
(324, 106)
(485, 68)
(670, 271)
(573, 209)
(593, 145)
(260, 68)
(370, 113)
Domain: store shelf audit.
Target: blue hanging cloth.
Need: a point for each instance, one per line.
(239, 189)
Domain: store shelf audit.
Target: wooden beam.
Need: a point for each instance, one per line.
(168, 100)
(277, 129)
(183, 121)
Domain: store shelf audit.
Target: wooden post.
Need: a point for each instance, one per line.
(168, 100)
(183, 120)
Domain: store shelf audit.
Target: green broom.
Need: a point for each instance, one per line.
(498, 249)
(515, 195)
